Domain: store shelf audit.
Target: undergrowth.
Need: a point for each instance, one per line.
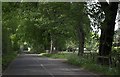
(86, 63)
(89, 64)
(57, 55)
(7, 58)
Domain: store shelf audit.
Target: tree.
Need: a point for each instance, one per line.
(46, 22)
(107, 30)
(9, 27)
(48, 25)
(81, 23)
(96, 16)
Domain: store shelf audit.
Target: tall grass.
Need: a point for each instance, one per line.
(7, 58)
(57, 55)
(89, 64)
(86, 63)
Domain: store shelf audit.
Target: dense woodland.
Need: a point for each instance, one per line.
(60, 26)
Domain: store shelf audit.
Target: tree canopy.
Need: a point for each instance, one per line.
(56, 26)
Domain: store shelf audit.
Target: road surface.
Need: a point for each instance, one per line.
(27, 65)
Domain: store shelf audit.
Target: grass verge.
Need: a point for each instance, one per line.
(7, 58)
(57, 55)
(86, 63)
(90, 65)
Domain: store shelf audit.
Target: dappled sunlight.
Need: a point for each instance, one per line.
(46, 38)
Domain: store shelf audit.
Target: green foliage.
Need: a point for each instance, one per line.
(115, 50)
(9, 38)
(84, 62)
(92, 43)
(43, 24)
(38, 49)
(57, 55)
(7, 58)
(89, 64)
(9, 24)
(77, 60)
(39, 23)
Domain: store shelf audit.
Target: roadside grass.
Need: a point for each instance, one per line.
(86, 63)
(91, 65)
(7, 58)
(57, 55)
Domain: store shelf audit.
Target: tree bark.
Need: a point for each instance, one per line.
(107, 31)
(81, 40)
(51, 45)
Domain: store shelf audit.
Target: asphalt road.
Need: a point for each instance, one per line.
(28, 65)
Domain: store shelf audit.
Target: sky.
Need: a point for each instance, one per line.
(106, 0)
(118, 18)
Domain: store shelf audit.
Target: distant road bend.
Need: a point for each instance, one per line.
(32, 65)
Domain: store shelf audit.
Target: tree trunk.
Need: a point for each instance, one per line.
(107, 31)
(81, 45)
(51, 45)
(81, 38)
